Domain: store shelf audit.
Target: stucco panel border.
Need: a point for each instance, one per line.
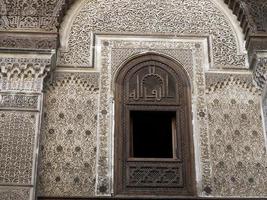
(111, 52)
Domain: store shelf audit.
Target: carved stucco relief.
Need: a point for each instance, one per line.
(149, 17)
(194, 57)
(54, 181)
(259, 65)
(15, 194)
(28, 41)
(22, 71)
(24, 15)
(112, 54)
(17, 133)
(237, 142)
(68, 141)
(21, 79)
(210, 180)
(17, 153)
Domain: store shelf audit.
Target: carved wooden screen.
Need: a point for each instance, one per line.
(153, 85)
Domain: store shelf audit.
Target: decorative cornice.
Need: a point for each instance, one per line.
(28, 41)
(24, 70)
(232, 80)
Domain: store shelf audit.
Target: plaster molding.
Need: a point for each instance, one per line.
(25, 71)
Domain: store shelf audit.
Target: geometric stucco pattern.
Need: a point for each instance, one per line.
(149, 17)
(237, 146)
(21, 82)
(11, 194)
(68, 137)
(76, 139)
(16, 147)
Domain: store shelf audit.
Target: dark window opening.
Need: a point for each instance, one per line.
(152, 134)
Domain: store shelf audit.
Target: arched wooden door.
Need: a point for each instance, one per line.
(153, 139)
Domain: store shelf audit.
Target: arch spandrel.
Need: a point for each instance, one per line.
(172, 17)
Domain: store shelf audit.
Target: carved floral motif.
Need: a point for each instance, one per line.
(149, 17)
(24, 15)
(21, 82)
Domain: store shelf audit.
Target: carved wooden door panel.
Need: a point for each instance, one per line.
(153, 140)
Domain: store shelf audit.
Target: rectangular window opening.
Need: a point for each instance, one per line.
(153, 134)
